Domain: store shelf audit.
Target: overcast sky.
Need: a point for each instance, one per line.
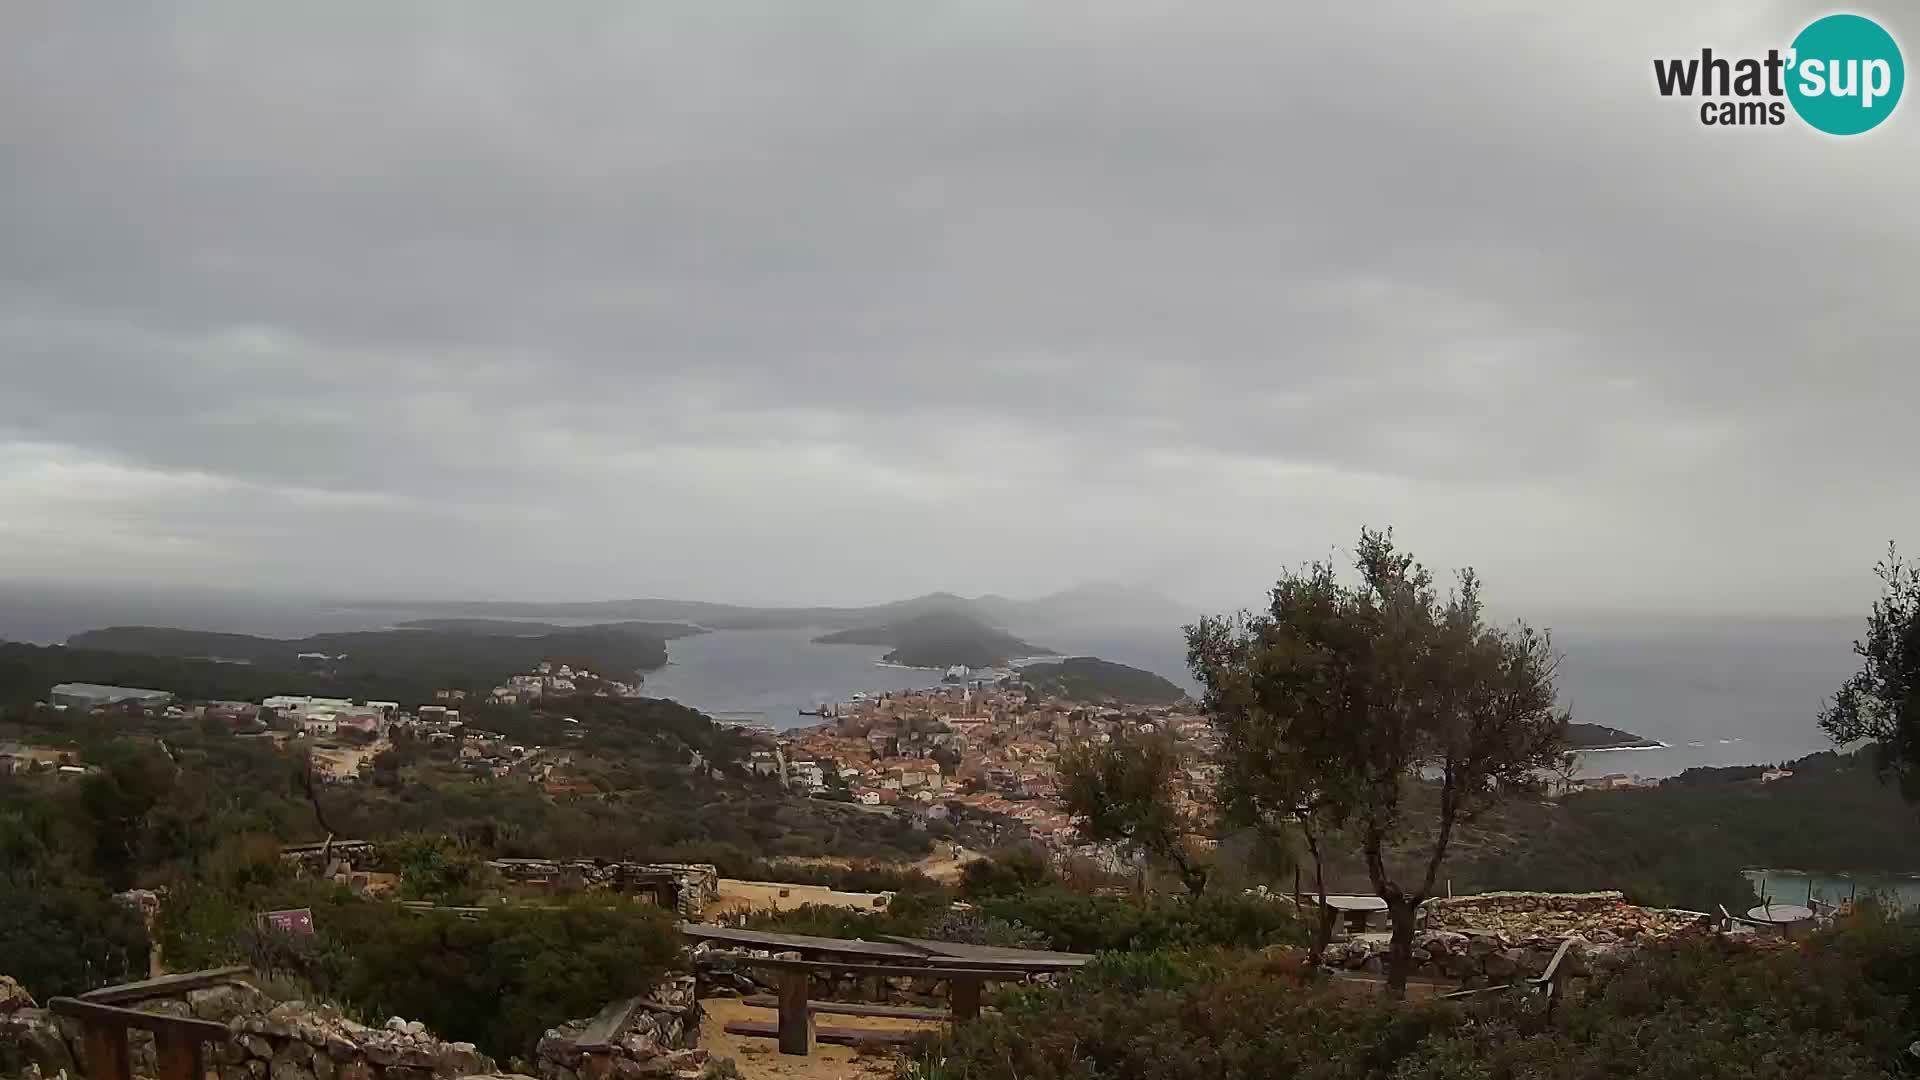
(840, 302)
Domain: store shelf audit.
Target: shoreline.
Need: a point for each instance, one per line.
(1612, 749)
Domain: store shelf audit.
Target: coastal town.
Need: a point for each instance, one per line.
(989, 749)
(984, 748)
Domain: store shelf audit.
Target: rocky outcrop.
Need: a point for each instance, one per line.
(31, 1041)
(651, 1036)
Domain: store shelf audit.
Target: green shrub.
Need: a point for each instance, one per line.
(1698, 1014)
(1006, 872)
(66, 937)
(1111, 923)
(973, 928)
(497, 980)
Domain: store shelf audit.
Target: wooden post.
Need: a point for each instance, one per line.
(963, 997)
(178, 1051)
(796, 1020)
(106, 1051)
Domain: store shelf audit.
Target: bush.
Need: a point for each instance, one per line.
(973, 928)
(502, 979)
(437, 868)
(1110, 923)
(1699, 1013)
(68, 937)
(498, 980)
(1005, 872)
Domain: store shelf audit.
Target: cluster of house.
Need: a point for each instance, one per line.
(560, 680)
(21, 758)
(325, 717)
(990, 752)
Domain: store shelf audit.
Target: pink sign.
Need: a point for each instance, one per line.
(296, 921)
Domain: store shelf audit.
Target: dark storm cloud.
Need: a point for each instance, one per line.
(608, 299)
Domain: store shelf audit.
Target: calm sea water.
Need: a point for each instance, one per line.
(774, 674)
(1718, 691)
(1787, 887)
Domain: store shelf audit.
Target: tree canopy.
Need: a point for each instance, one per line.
(1881, 701)
(1125, 791)
(1343, 696)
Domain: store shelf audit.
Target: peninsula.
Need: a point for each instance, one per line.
(1598, 737)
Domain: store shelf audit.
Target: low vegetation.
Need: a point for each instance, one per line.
(1087, 678)
(1843, 1008)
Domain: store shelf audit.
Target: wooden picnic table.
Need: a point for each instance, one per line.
(964, 968)
(795, 1029)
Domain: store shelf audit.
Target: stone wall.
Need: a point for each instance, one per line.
(687, 887)
(1535, 914)
(268, 1041)
(690, 887)
(1480, 958)
(651, 1036)
(1497, 937)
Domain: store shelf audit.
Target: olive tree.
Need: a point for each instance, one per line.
(1344, 699)
(1124, 791)
(1881, 701)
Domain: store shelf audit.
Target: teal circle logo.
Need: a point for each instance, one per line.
(1846, 74)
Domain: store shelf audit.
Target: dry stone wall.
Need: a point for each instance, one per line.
(652, 1036)
(1497, 937)
(268, 1041)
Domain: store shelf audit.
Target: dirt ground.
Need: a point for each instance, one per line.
(945, 862)
(738, 895)
(760, 1058)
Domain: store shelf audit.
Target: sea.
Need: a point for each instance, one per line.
(1714, 690)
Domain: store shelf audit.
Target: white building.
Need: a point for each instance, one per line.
(301, 706)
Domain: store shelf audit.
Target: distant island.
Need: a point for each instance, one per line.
(939, 639)
(406, 664)
(1087, 678)
(1084, 605)
(1597, 737)
(666, 631)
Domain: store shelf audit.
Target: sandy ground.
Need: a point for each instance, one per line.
(738, 895)
(341, 761)
(760, 1058)
(945, 863)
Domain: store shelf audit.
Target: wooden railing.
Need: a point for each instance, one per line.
(177, 1041)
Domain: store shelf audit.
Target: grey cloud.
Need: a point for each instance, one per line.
(992, 296)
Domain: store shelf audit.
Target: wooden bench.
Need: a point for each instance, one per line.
(795, 1028)
(177, 1041)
